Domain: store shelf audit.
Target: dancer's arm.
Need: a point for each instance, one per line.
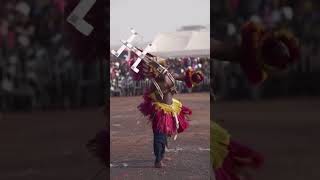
(178, 77)
(261, 53)
(190, 77)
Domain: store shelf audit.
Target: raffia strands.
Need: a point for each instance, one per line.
(100, 147)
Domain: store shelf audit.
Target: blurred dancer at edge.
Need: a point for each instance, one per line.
(261, 54)
(90, 49)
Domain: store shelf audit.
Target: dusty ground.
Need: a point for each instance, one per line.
(132, 146)
(286, 131)
(49, 145)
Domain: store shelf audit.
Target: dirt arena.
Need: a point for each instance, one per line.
(132, 142)
(50, 145)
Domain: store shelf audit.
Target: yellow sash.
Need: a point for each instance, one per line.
(220, 140)
(173, 109)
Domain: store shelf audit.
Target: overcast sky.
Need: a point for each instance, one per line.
(149, 17)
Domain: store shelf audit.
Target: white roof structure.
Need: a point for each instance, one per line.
(182, 43)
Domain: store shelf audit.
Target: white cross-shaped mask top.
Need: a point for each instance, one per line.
(76, 16)
(126, 44)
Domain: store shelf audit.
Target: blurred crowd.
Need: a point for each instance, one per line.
(302, 17)
(36, 69)
(122, 83)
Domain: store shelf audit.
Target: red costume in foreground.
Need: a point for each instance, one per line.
(229, 157)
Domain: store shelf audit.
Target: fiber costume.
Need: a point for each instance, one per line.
(264, 52)
(167, 119)
(167, 114)
(229, 157)
(261, 54)
(99, 145)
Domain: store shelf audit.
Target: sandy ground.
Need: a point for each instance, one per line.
(49, 145)
(132, 142)
(286, 131)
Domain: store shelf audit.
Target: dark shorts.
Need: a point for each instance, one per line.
(159, 145)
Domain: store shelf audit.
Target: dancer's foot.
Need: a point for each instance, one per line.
(167, 158)
(159, 164)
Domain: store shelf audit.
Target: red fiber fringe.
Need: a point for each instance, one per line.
(239, 157)
(161, 121)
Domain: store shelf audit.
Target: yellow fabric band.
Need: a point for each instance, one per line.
(174, 108)
(220, 140)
